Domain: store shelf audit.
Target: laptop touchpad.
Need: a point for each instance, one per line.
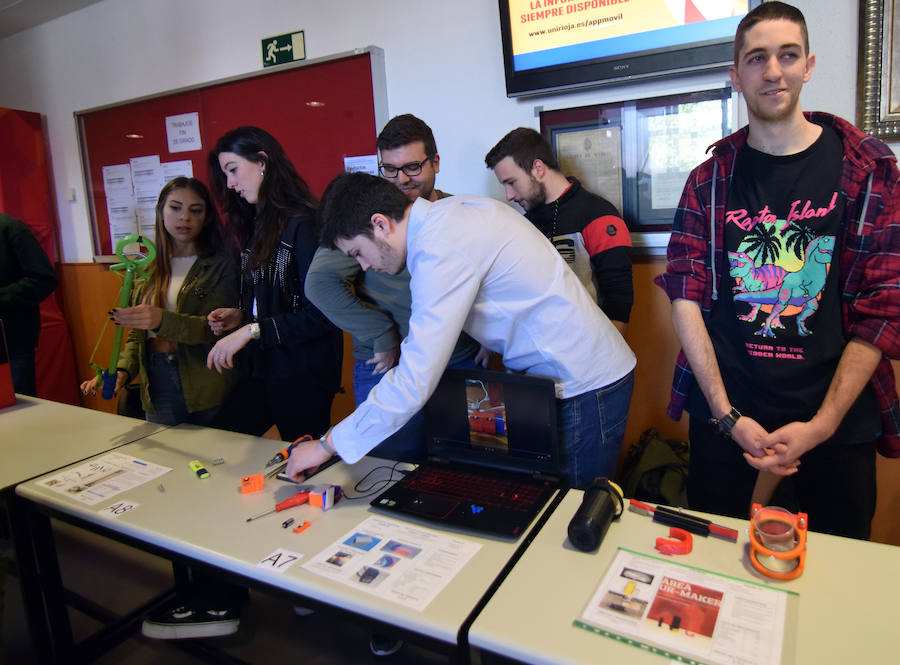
(435, 506)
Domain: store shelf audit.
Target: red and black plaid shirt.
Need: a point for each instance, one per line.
(869, 260)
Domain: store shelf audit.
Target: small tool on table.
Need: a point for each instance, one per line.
(279, 461)
(297, 500)
(682, 520)
(197, 467)
(282, 455)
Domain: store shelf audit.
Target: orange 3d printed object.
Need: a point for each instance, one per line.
(778, 542)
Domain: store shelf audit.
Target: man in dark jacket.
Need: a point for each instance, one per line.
(26, 278)
(586, 229)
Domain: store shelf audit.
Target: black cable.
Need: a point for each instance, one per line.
(377, 486)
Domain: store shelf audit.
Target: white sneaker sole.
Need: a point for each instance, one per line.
(167, 631)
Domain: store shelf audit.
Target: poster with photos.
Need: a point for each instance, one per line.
(398, 562)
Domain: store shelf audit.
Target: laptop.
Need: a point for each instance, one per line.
(492, 454)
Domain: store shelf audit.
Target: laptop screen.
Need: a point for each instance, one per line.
(495, 419)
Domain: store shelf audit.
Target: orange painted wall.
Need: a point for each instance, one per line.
(88, 291)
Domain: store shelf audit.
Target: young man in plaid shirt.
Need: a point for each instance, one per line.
(784, 275)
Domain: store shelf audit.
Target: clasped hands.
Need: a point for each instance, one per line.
(778, 451)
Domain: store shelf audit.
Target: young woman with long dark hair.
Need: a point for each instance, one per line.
(287, 353)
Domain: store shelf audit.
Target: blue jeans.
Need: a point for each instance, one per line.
(408, 443)
(167, 396)
(591, 428)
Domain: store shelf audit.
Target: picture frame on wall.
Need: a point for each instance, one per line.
(593, 154)
(878, 94)
(638, 153)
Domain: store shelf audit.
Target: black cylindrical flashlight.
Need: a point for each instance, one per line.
(602, 503)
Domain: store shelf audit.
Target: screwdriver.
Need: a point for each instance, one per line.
(282, 455)
(297, 500)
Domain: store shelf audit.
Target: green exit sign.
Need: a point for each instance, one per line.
(283, 48)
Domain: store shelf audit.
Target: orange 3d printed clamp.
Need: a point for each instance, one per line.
(680, 542)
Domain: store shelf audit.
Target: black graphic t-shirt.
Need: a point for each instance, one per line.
(776, 328)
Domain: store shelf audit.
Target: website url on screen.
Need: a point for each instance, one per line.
(581, 25)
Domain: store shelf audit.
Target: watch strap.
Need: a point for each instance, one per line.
(323, 441)
(726, 422)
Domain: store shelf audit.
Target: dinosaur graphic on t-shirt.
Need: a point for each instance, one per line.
(799, 289)
(753, 279)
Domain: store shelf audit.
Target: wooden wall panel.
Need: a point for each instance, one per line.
(652, 338)
(89, 290)
(886, 524)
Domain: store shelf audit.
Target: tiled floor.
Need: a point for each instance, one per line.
(270, 630)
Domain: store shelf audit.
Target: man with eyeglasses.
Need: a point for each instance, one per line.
(478, 265)
(377, 314)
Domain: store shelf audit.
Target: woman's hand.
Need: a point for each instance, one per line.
(141, 317)
(224, 319)
(222, 355)
(89, 387)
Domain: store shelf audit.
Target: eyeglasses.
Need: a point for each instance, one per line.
(411, 169)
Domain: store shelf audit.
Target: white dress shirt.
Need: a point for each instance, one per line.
(478, 265)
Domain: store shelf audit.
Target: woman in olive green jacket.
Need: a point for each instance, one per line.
(169, 340)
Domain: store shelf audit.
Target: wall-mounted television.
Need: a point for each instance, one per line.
(553, 45)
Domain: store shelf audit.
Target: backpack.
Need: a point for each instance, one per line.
(655, 470)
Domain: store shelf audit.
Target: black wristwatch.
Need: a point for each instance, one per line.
(724, 424)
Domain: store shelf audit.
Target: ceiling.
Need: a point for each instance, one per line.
(18, 15)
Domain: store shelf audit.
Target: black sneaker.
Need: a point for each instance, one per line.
(181, 620)
(384, 645)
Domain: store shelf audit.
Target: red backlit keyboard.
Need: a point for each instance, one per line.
(477, 488)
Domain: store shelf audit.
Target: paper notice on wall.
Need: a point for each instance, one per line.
(117, 180)
(147, 173)
(183, 132)
(183, 168)
(145, 209)
(122, 218)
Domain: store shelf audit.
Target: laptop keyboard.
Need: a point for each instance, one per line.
(476, 488)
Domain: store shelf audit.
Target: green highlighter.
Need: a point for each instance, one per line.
(199, 469)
